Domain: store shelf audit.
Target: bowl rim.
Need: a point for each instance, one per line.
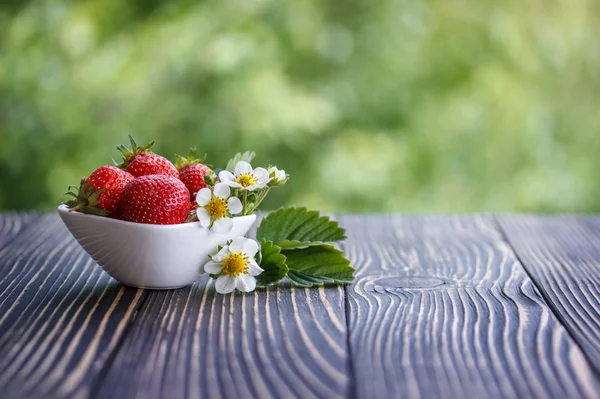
(62, 209)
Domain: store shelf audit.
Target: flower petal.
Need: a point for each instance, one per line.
(242, 168)
(213, 267)
(254, 187)
(235, 205)
(225, 284)
(229, 179)
(203, 217)
(222, 190)
(280, 175)
(223, 225)
(237, 245)
(245, 283)
(261, 175)
(222, 254)
(250, 247)
(254, 269)
(203, 197)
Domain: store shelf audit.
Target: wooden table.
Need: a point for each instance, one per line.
(443, 306)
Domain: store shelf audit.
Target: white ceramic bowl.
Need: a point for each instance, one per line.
(147, 255)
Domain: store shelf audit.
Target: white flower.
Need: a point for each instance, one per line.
(235, 266)
(278, 176)
(245, 177)
(216, 207)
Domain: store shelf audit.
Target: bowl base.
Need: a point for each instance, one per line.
(157, 288)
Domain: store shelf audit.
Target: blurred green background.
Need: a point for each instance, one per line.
(370, 105)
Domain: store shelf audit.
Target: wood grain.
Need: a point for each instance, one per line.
(60, 315)
(442, 308)
(562, 255)
(279, 342)
(193, 342)
(11, 223)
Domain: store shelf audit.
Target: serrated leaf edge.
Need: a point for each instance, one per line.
(334, 224)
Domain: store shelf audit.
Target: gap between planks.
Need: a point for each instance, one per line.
(351, 390)
(59, 314)
(547, 299)
(469, 252)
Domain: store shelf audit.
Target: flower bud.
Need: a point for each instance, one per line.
(278, 176)
(210, 179)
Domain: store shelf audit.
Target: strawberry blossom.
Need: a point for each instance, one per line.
(244, 177)
(215, 208)
(235, 266)
(278, 176)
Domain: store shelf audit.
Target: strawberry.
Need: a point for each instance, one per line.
(155, 199)
(140, 161)
(193, 173)
(100, 193)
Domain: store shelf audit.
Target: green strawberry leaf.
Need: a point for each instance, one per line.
(317, 265)
(247, 156)
(292, 228)
(305, 280)
(273, 264)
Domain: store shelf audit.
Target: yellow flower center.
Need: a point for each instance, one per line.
(247, 180)
(217, 208)
(235, 264)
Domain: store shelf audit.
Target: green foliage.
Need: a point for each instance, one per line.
(273, 264)
(318, 265)
(131, 151)
(370, 106)
(293, 227)
(247, 156)
(85, 199)
(300, 252)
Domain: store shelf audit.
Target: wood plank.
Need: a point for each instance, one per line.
(562, 255)
(13, 222)
(61, 317)
(442, 308)
(276, 342)
(279, 342)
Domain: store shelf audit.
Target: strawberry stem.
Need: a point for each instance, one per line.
(131, 151)
(85, 199)
(181, 162)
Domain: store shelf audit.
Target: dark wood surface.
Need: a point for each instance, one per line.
(562, 256)
(13, 222)
(61, 316)
(280, 342)
(443, 306)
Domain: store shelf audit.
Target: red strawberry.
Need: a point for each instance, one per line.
(140, 161)
(155, 199)
(100, 193)
(193, 173)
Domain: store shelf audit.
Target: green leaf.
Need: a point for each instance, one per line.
(318, 265)
(247, 156)
(291, 228)
(305, 280)
(273, 264)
